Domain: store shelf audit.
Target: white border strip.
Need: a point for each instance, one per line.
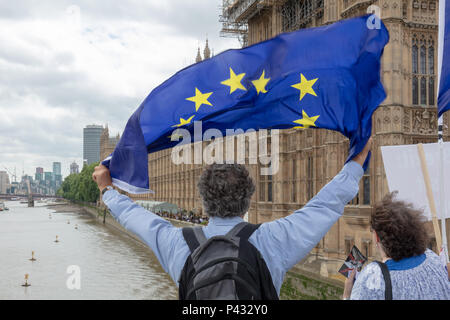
(129, 188)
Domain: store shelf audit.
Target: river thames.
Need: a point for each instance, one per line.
(111, 264)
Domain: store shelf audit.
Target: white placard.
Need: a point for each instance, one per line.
(404, 174)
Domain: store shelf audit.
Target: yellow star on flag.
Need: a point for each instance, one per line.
(234, 81)
(184, 122)
(200, 98)
(305, 86)
(306, 121)
(261, 83)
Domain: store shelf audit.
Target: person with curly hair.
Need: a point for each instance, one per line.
(226, 190)
(413, 271)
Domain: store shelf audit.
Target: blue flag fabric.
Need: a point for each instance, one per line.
(444, 57)
(325, 77)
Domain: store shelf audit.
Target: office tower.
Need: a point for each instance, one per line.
(91, 143)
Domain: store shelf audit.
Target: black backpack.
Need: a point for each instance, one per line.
(225, 267)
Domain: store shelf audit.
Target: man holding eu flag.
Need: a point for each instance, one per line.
(326, 77)
(268, 250)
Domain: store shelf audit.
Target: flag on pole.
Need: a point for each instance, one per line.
(444, 57)
(326, 77)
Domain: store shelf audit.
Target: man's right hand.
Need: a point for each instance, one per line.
(361, 157)
(102, 177)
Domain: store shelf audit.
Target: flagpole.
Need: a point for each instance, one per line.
(442, 202)
(430, 196)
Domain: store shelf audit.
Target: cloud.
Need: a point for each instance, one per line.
(67, 64)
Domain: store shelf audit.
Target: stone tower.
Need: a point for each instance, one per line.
(206, 51)
(199, 57)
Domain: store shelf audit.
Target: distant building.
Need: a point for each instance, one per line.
(91, 143)
(14, 188)
(39, 175)
(206, 53)
(58, 181)
(56, 168)
(107, 143)
(74, 168)
(48, 178)
(4, 182)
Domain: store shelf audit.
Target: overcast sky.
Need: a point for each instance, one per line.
(66, 64)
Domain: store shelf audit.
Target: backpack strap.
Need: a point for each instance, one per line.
(242, 230)
(194, 237)
(247, 231)
(387, 280)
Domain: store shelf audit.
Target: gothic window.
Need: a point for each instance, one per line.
(423, 91)
(423, 60)
(262, 191)
(355, 200)
(415, 60)
(309, 171)
(431, 60)
(269, 188)
(415, 90)
(415, 70)
(423, 80)
(366, 189)
(366, 249)
(265, 187)
(294, 178)
(431, 92)
(349, 243)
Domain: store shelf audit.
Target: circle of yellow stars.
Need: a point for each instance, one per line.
(234, 82)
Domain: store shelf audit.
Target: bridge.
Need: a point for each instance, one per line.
(25, 196)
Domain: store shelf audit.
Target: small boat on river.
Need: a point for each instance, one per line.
(3, 207)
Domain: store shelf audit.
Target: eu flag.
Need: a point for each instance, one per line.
(326, 77)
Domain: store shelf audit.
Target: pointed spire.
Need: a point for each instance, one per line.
(206, 52)
(199, 57)
(105, 131)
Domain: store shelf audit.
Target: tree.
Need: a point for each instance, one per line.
(80, 187)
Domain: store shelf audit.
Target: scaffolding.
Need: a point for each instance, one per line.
(295, 14)
(232, 24)
(299, 14)
(236, 13)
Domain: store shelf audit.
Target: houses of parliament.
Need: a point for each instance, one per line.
(308, 159)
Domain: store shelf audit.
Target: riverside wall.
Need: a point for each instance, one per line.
(298, 284)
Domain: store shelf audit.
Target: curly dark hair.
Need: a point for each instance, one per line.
(400, 228)
(226, 190)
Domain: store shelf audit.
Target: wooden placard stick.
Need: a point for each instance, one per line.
(426, 178)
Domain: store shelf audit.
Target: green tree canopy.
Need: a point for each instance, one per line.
(80, 187)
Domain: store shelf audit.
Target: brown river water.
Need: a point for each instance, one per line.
(106, 263)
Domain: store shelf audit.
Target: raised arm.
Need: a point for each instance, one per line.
(159, 234)
(286, 241)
